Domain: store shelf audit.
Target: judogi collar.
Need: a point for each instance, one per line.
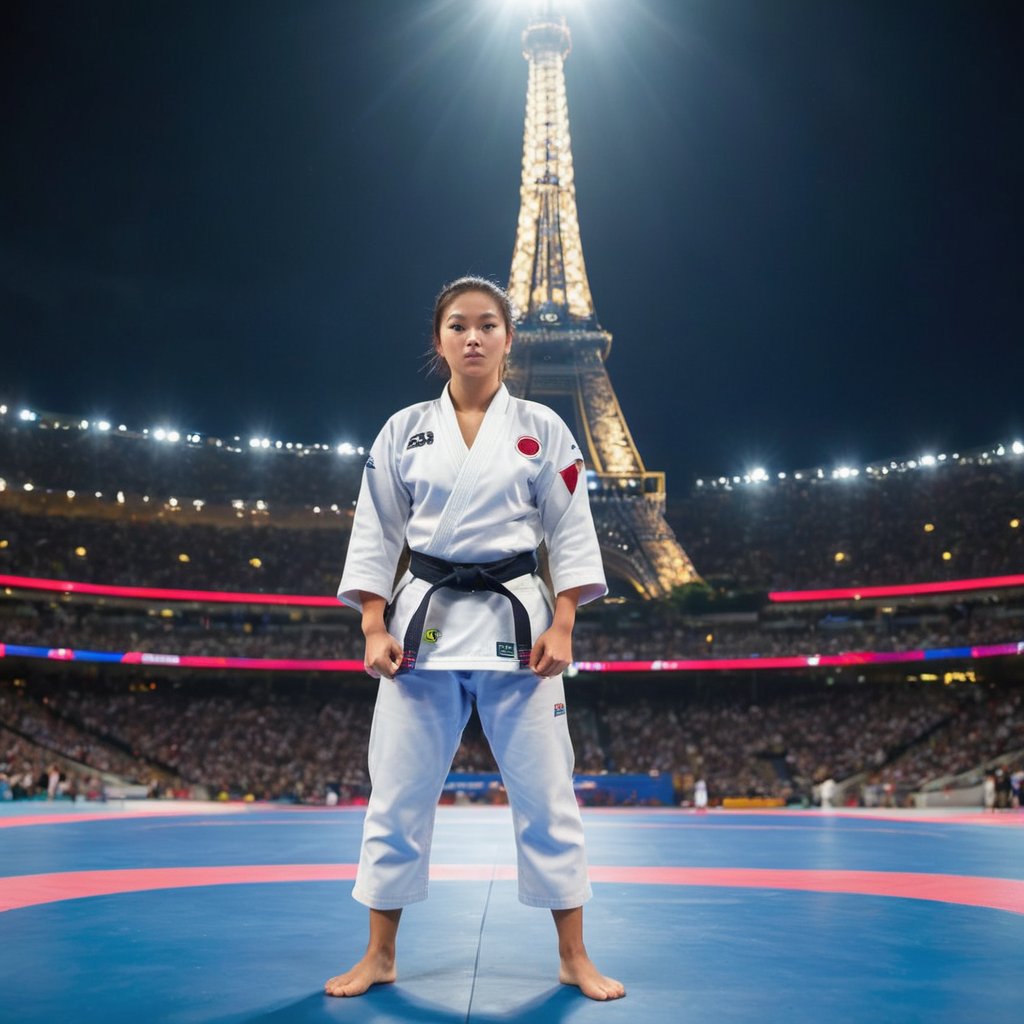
(471, 462)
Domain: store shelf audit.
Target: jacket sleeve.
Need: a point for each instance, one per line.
(378, 529)
(574, 555)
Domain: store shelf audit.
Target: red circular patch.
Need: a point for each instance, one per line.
(528, 446)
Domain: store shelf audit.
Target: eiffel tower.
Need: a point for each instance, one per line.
(561, 348)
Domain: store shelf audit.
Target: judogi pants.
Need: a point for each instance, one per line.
(417, 725)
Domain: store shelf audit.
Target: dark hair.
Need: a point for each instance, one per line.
(452, 291)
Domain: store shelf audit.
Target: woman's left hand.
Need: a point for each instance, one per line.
(552, 653)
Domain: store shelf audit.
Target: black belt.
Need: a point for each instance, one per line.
(487, 576)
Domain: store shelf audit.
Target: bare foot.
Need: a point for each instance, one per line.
(580, 970)
(373, 969)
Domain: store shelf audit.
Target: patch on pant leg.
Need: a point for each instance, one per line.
(559, 709)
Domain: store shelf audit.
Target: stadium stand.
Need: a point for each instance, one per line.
(123, 508)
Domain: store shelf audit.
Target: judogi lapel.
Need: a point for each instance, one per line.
(473, 461)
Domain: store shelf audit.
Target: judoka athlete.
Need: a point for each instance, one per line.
(473, 482)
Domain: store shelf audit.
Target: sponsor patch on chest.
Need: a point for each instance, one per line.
(504, 649)
(419, 440)
(559, 709)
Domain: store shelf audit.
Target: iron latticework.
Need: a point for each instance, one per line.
(561, 348)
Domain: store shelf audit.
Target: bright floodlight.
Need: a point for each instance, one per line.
(1018, 447)
(758, 474)
(27, 415)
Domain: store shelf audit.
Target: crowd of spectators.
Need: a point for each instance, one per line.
(662, 635)
(249, 739)
(64, 457)
(249, 557)
(804, 534)
(980, 729)
(265, 739)
(301, 741)
(958, 519)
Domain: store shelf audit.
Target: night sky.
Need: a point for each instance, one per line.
(802, 219)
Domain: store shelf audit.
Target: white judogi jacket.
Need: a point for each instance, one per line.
(521, 483)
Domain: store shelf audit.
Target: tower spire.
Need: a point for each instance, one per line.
(549, 279)
(561, 348)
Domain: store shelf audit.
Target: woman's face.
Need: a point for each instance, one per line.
(473, 339)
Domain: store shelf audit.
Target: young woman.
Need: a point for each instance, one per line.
(471, 483)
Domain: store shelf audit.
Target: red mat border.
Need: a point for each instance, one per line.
(21, 891)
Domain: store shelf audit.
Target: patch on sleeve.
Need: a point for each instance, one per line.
(571, 475)
(559, 709)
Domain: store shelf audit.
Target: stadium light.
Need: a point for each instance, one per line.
(1018, 447)
(103, 425)
(758, 475)
(927, 460)
(28, 416)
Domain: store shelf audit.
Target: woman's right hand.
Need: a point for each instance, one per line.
(383, 654)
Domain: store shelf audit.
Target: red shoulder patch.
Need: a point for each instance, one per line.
(571, 476)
